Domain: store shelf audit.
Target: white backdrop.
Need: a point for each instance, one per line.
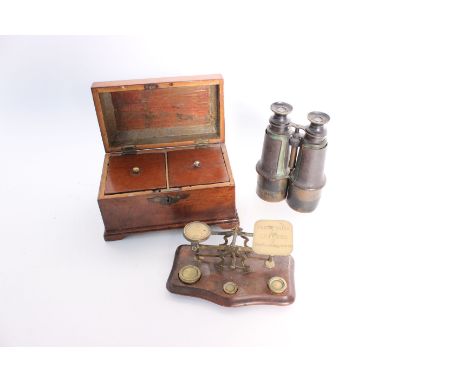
(381, 265)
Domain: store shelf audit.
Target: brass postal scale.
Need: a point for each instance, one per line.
(234, 275)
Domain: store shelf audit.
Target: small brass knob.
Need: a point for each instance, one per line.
(196, 164)
(270, 263)
(136, 170)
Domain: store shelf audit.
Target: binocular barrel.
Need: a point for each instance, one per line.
(272, 169)
(292, 164)
(308, 178)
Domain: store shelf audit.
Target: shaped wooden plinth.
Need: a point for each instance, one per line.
(252, 286)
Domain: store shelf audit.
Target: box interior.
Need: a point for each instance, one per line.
(162, 169)
(161, 115)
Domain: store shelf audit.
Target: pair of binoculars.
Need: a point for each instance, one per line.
(293, 158)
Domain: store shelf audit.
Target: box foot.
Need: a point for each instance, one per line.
(114, 236)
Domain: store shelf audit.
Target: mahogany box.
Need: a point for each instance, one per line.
(166, 163)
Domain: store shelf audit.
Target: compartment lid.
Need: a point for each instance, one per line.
(160, 112)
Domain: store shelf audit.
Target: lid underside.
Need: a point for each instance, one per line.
(161, 115)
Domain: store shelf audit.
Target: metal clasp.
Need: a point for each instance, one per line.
(167, 200)
(129, 150)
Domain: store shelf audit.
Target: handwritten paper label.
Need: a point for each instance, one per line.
(273, 238)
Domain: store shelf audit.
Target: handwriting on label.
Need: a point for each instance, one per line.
(273, 238)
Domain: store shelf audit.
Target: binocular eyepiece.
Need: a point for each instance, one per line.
(293, 158)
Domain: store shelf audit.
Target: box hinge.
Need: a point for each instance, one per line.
(151, 86)
(129, 150)
(201, 142)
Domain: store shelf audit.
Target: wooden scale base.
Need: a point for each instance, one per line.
(233, 275)
(252, 286)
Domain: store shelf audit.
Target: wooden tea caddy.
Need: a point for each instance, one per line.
(166, 163)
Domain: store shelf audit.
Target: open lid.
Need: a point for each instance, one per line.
(160, 112)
